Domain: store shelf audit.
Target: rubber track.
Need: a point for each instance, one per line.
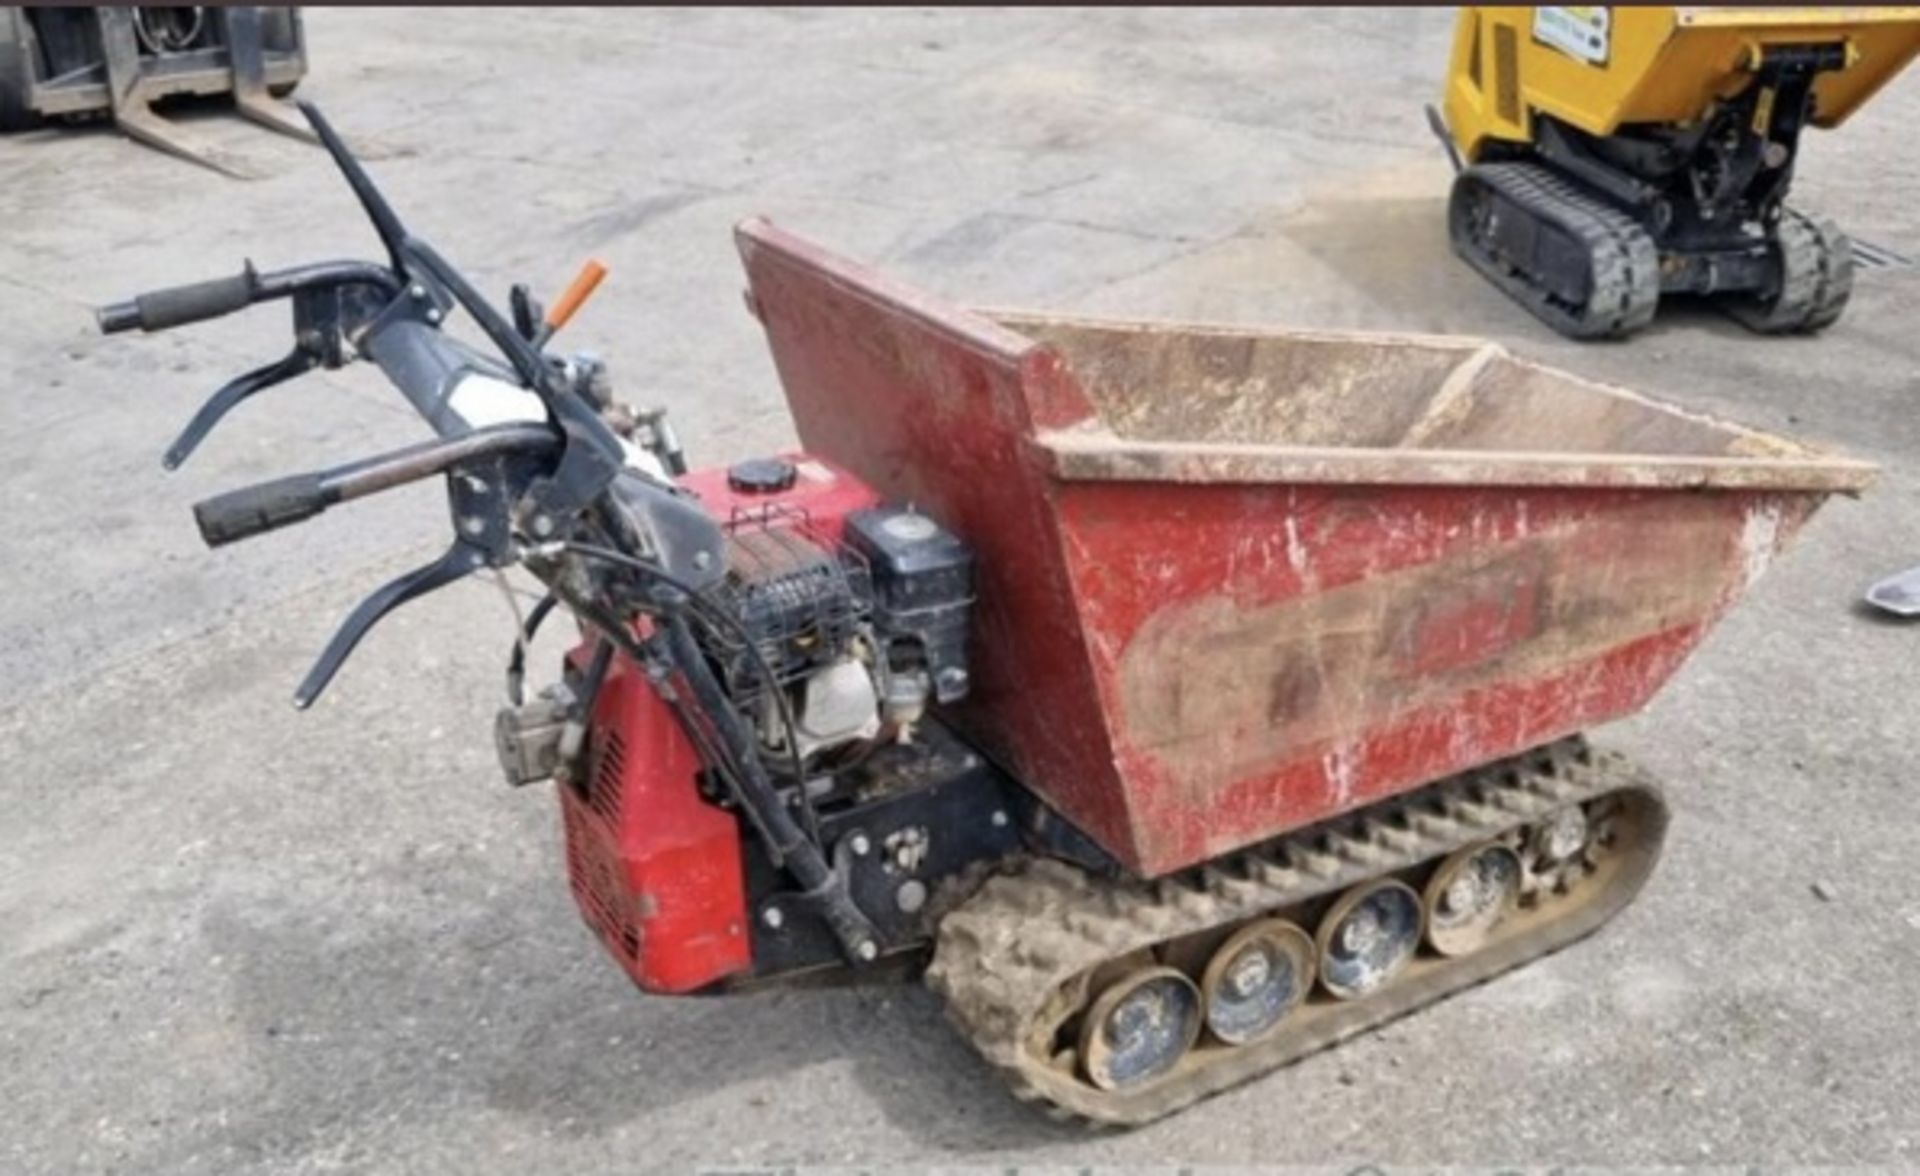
(1622, 260)
(1816, 279)
(1013, 960)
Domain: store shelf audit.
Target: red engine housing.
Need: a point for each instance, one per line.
(656, 869)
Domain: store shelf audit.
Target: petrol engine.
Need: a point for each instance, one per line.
(843, 624)
(848, 624)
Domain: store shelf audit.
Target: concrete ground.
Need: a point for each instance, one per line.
(237, 937)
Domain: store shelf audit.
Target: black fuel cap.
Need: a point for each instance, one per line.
(761, 475)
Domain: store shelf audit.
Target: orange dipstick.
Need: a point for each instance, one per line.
(577, 292)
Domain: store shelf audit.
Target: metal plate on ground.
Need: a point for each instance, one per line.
(1868, 256)
(1898, 594)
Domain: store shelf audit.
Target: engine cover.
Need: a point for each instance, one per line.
(860, 612)
(655, 868)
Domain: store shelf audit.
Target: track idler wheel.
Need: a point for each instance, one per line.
(1468, 896)
(1814, 259)
(1368, 936)
(1139, 1028)
(1256, 978)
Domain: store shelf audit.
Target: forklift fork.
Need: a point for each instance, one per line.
(131, 91)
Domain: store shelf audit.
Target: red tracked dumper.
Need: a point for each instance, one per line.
(1190, 698)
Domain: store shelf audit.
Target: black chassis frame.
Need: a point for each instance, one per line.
(912, 825)
(1709, 194)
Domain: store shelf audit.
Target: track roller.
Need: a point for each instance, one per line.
(1369, 935)
(1256, 978)
(1139, 1028)
(1468, 896)
(1119, 1000)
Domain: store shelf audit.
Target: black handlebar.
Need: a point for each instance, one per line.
(251, 510)
(549, 470)
(266, 506)
(178, 305)
(175, 306)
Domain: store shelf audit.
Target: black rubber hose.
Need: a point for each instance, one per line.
(517, 660)
(718, 618)
(804, 859)
(822, 887)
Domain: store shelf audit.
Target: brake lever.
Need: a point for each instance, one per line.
(297, 362)
(477, 498)
(461, 559)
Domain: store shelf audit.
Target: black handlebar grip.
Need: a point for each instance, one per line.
(178, 305)
(251, 510)
(120, 316)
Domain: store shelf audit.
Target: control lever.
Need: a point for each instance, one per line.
(460, 559)
(571, 299)
(297, 362)
(475, 469)
(526, 312)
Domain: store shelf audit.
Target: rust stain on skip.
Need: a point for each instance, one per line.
(1216, 690)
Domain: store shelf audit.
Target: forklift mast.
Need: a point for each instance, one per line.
(85, 62)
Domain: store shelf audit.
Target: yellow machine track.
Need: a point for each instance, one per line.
(1816, 278)
(1032, 963)
(1583, 267)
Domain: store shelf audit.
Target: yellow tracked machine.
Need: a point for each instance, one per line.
(1608, 156)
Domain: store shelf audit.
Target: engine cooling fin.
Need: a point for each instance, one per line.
(1022, 961)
